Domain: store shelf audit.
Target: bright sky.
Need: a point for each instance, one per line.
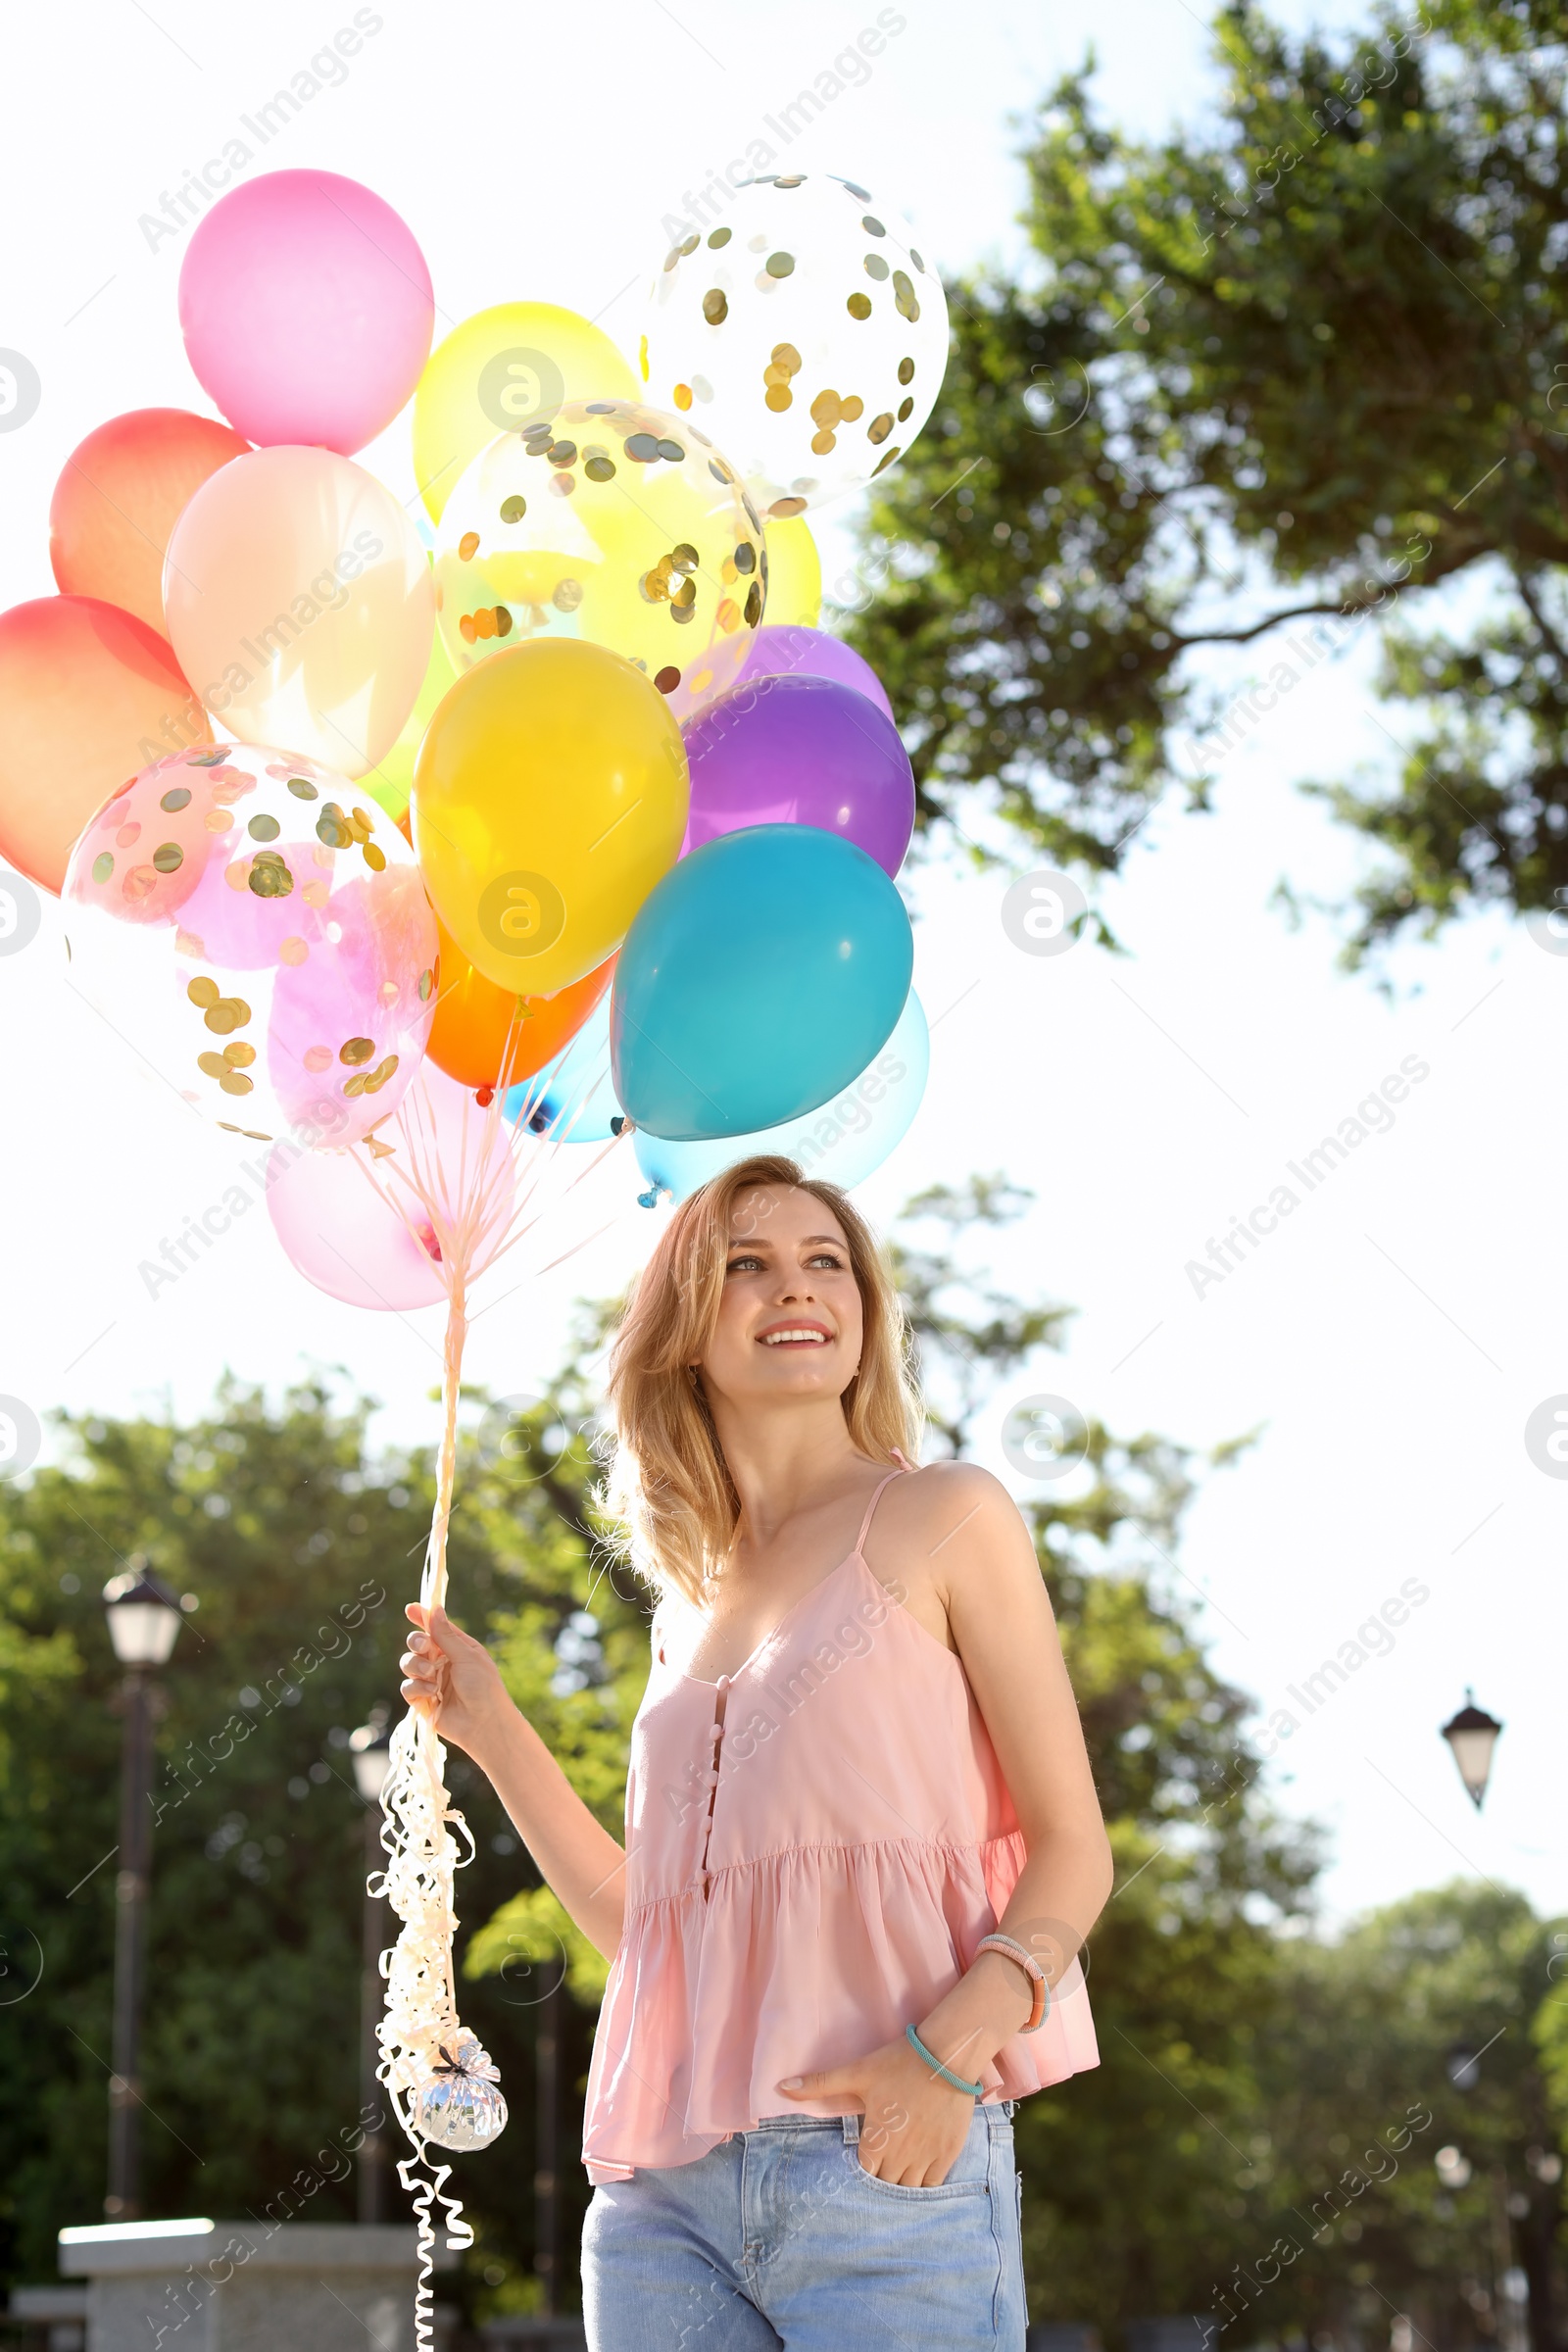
(1387, 1341)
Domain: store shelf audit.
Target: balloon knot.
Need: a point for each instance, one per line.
(485, 1095)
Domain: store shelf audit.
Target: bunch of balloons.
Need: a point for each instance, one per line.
(562, 789)
(398, 846)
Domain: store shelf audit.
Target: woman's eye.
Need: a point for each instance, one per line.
(825, 1257)
(743, 1265)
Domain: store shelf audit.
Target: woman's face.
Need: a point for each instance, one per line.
(789, 1321)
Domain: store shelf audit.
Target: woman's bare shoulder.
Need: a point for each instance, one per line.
(934, 1504)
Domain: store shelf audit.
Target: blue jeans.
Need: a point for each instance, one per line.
(780, 2237)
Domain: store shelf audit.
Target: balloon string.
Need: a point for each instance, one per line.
(433, 1583)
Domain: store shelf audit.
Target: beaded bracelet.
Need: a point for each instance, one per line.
(973, 2089)
(1039, 1989)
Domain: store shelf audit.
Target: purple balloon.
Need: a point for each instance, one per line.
(800, 752)
(789, 652)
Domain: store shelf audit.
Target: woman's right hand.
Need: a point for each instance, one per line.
(453, 1681)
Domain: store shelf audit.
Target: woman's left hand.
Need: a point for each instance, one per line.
(915, 2124)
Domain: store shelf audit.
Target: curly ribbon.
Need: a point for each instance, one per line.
(475, 1212)
(426, 2193)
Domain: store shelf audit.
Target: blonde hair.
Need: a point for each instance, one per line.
(669, 1485)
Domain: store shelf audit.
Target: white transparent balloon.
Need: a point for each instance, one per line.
(805, 334)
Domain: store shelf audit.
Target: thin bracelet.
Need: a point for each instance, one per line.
(973, 2089)
(1040, 1991)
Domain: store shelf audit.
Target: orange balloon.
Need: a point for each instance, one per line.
(119, 496)
(89, 696)
(474, 1018)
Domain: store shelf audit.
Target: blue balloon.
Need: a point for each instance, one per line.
(573, 1097)
(759, 977)
(843, 1141)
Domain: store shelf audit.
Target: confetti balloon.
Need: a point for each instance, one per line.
(615, 524)
(120, 494)
(88, 696)
(259, 934)
(807, 335)
(501, 370)
(372, 1243)
(307, 309)
(551, 794)
(299, 605)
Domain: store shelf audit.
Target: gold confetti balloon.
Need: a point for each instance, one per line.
(614, 524)
(255, 928)
(805, 332)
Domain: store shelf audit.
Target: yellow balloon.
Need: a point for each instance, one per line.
(391, 780)
(794, 574)
(550, 795)
(614, 524)
(500, 372)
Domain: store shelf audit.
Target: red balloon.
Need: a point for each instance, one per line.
(119, 497)
(88, 697)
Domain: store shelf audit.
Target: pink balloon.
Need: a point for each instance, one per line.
(307, 309)
(339, 1229)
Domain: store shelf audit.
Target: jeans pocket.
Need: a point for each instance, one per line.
(943, 2193)
(969, 2176)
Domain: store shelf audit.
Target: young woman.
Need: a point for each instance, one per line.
(862, 1844)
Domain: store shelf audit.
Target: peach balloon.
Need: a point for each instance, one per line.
(300, 604)
(88, 696)
(118, 496)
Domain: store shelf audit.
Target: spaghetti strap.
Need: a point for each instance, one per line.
(865, 1523)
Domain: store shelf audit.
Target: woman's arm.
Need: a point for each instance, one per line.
(988, 1580)
(453, 1682)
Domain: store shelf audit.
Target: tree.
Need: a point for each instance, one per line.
(1409, 2163)
(1296, 376)
(299, 1545)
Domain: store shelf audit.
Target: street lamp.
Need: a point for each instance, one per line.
(1472, 1734)
(143, 1621)
(371, 1749)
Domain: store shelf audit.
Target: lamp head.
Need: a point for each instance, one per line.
(143, 1616)
(1472, 1734)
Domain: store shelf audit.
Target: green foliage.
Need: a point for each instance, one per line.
(1292, 371)
(1361, 2096)
(299, 1548)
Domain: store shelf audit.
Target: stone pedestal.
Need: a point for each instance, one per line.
(243, 2286)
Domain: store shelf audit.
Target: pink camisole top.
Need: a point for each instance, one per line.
(814, 1846)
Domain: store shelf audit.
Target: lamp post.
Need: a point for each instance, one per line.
(1472, 1734)
(371, 1748)
(143, 1617)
